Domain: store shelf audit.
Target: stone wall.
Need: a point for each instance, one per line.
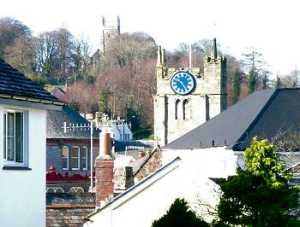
(67, 209)
(207, 100)
(67, 216)
(151, 164)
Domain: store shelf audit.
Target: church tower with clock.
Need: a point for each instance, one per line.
(187, 97)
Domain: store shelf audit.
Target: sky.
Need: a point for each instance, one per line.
(271, 26)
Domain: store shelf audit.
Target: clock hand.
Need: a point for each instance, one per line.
(182, 84)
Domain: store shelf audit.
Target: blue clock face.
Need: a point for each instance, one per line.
(182, 83)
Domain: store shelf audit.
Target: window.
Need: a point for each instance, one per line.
(75, 158)
(84, 158)
(186, 110)
(176, 108)
(14, 149)
(65, 157)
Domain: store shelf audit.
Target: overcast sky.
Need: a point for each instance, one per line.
(271, 26)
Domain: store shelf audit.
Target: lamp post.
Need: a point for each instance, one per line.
(91, 186)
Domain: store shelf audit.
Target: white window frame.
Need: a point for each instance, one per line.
(86, 155)
(78, 158)
(68, 157)
(24, 162)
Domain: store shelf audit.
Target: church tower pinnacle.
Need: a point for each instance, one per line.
(214, 49)
(185, 97)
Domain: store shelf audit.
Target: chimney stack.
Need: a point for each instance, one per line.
(104, 165)
(123, 178)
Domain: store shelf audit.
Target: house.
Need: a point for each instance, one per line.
(23, 119)
(58, 92)
(191, 163)
(68, 150)
(118, 128)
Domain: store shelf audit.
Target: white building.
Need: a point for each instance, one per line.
(185, 176)
(119, 129)
(23, 113)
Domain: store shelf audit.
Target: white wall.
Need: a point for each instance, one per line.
(22, 193)
(189, 180)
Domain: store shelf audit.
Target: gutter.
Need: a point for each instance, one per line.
(35, 100)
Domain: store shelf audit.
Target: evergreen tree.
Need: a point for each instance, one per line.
(103, 102)
(179, 215)
(236, 86)
(252, 80)
(265, 82)
(260, 195)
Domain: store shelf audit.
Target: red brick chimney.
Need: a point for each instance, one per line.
(104, 166)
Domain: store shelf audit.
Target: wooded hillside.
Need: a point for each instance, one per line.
(120, 82)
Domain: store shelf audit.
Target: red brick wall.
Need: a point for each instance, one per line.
(104, 179)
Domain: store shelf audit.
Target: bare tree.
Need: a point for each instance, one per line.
(54, 55)
(82, 96)
(11, 30)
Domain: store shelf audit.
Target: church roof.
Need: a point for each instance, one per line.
(264, 114)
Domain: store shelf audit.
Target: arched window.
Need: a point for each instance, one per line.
(186, 112)
(176, 108)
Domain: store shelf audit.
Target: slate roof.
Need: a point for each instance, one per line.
(264, 114)
(55, 124)
(14, 85)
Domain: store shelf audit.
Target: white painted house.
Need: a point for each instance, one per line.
(191, 163)
(185, 175)
(23, 114)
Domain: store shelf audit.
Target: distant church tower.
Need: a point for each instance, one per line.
(110, 29)
(185, 97)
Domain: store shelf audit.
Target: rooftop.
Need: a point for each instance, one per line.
(14, 85)
(264, 114)
(72, 119)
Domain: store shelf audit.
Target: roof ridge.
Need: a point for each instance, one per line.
(174, 160)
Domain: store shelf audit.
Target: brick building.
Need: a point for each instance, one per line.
(68, 146)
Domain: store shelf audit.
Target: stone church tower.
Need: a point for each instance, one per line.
(110, 29)
(186, 97)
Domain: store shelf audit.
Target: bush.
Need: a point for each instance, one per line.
(261, 194)
(179, 215)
